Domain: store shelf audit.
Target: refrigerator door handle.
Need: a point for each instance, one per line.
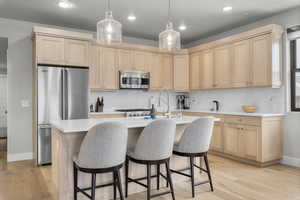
(61, 95)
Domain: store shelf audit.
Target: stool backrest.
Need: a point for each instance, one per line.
(156, 140)
(197, 136)
(104, 146)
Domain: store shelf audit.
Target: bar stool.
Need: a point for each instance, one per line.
(154, 147)
(103, 150)
(195, 142)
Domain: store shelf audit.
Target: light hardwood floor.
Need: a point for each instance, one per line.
(232, 181)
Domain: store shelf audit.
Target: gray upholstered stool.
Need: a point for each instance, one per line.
(195, 142)
(103, 150)
(154, 147)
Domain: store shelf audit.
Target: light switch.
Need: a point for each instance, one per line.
(25, 103)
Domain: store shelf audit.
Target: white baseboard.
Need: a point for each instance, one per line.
(19, 156)
(295, 162)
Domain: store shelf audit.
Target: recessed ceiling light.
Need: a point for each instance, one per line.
(227, 9)
(131, 17)
(182, 27)
(65, 4)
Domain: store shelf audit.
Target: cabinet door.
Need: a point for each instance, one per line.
(109, 69)
(207, 70)
(167, 71)
(125, 61)
(156, 72)
(217, 138)
(95, 69)
(231, 139)
(181, 73)
(139, 61)
(261, 61)
(195, 71)
(222, 67)
(76, 53)
(50, 50)
(248, 142)
(241, 64)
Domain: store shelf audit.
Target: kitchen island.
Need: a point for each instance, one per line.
(67, 136)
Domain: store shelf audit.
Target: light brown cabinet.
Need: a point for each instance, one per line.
(217, 138)
(76, 52)
(181, 73)
(222, 66)
(206, 69)
(167, 71)
(50, 50)
(241, 64)
(248, 142)
(254, 140)
(109, 68)
(156, 72)
(231, 139)
(195, 71)
(60, 51)
(261, 68)
(103, 69)
(125, 60)
(140, 61)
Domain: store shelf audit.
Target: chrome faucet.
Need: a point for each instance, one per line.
(168, 101)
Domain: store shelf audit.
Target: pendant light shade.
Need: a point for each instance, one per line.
(109, 30)
(169, 39)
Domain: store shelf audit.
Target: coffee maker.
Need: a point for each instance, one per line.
(183, 102)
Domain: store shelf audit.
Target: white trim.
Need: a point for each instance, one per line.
(295, 162)
(19, 156)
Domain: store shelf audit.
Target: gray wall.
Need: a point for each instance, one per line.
(19, 63)
(3, 55)
(291, 125)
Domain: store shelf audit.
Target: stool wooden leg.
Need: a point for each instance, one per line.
(115, 185)
(192, 176)
(148, 181)
(118, 176)
(208, 173)
(93, 186)
(75, 171)
(158, 175)
(170, 179)
(126, 176)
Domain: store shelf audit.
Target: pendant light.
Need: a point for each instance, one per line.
(169, 39)
(109, 30)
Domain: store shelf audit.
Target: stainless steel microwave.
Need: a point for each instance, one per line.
(134, 80)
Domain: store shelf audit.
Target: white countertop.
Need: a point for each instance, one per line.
(255, 114)
(106, 113)
(82, 125)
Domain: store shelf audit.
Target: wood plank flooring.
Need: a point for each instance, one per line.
(232, 181)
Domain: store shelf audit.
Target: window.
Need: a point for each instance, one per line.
(295, 75)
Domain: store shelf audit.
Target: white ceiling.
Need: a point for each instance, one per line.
(202, 17)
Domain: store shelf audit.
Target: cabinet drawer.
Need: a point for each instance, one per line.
(254, 121)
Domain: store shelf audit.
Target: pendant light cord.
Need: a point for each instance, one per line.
(169, 11)
(108, 5)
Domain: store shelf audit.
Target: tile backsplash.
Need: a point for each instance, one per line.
(267, 100)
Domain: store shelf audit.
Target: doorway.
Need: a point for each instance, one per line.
(3, 102)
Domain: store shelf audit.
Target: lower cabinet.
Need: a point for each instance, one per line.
(254, 140)
(217, 138)
(241, 140)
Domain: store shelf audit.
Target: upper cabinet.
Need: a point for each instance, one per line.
(60, 51)
(76, 52)
(222, 66)
(181, 72)
(249, 59)
(241, 64)
(167, 71)
(261, 66)
(156, 82)
(50, 50)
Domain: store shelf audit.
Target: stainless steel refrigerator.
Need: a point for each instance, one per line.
(62, 94)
